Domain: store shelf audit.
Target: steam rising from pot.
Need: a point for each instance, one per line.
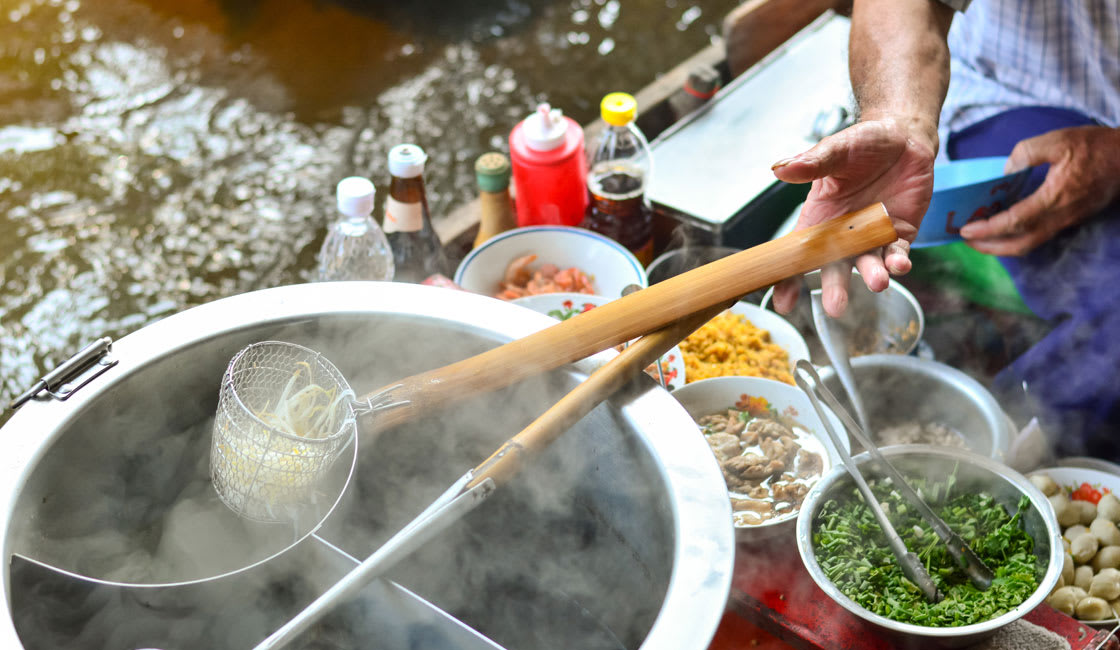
(124, 496)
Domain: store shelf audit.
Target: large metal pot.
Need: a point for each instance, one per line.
(617, 537)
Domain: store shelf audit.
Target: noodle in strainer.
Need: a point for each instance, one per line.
(285, 414)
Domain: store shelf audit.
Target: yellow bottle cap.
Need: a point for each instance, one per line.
(618, 109)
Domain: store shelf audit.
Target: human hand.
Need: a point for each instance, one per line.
(1084, 177)
(888, 160)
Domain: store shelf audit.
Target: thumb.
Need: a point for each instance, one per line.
(810, 165)
(1026, 153)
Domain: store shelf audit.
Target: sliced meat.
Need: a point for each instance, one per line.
(809, 464)
(753, 466)
(767, 428)
(724, 445)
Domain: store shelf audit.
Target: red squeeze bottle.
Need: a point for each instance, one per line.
(549, 169)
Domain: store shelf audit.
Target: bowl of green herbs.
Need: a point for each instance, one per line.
(1003, 517)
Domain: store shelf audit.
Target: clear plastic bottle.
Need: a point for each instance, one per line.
(355, 248)
(620, 168)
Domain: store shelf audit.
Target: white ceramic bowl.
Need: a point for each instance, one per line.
(609, 264)
(1069, 479)
(716, 395)
(563, 306)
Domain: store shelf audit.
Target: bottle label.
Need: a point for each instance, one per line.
(402, 217)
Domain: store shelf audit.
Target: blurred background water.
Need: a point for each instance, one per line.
(158, 155)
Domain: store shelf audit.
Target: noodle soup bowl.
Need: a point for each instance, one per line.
(974, 473)
(718, 394)
(610, 267)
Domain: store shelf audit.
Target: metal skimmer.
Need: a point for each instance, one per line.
(267, 472)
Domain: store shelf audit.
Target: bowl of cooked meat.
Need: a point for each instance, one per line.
(549, 259)
(770, 445)
(1002, 516)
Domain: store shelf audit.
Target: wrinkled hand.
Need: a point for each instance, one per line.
(1084, 177)
(887, 160)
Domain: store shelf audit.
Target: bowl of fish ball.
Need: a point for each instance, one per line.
(1088, 511)
(549, 259)
(770, 445)
(920, 401)
(1004, 518)
(744, 341)
(889, 322)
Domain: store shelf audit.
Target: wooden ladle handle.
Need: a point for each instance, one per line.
(717, 283)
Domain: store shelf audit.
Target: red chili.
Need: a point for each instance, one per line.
(1086, 492)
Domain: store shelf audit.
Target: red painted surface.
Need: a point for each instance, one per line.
(775, 605)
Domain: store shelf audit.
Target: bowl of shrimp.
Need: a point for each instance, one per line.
(549, 259)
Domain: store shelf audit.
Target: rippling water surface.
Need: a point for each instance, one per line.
(158, 155)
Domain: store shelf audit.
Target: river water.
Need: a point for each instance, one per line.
(158, 155)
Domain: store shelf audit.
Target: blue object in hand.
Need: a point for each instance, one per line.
(968, 190)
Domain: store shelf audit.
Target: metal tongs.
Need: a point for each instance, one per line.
(979, 573)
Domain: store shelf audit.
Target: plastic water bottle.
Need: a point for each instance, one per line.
(355, 248)
(620, 169)
(549, 169)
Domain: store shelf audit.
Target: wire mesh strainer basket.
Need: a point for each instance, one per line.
(285, 414)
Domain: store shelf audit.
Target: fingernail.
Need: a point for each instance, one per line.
(782, 163)
(967, 230)
(1014, 165)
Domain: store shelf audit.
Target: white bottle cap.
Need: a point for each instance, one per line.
(545, 130)
(355, 196)
(407, 161)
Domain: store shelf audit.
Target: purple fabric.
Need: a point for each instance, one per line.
(1073, 282)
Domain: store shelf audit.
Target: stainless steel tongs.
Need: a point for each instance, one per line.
(978, 572)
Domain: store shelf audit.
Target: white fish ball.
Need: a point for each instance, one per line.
(1093, 609)
(1083, 577)
(1105, 531)
(1087, 511)
(1067, 568)
(1106, 584)
(1084, 548)
(1046, 484)
(1109, 556)
(1075, 531)
(1109, 508)
(1066, 599)
(1066, 514)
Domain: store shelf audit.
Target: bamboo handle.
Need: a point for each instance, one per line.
(642, 312)
(504, 463)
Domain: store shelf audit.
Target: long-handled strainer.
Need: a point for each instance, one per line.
(285, 413)
(264, 471)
